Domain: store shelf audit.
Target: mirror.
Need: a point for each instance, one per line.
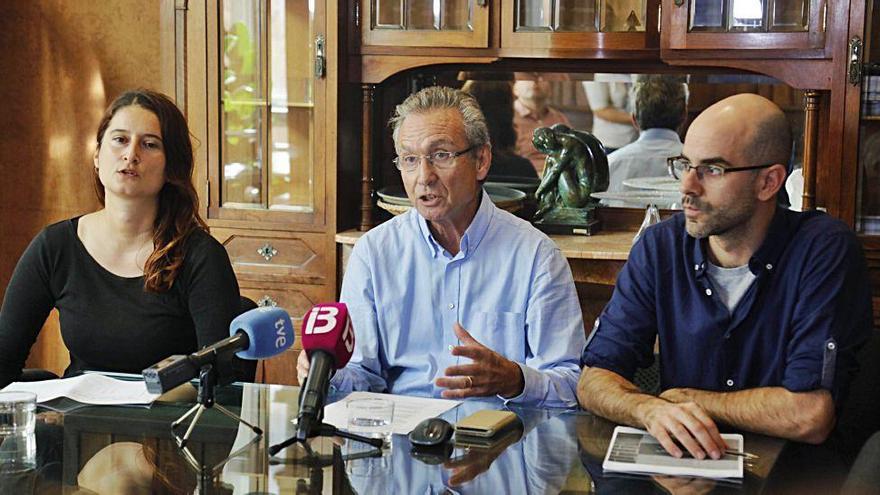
(516, 103)
(598, 103)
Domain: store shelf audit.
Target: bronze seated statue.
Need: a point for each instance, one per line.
(575, 167)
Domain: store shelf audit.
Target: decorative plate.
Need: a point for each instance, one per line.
(664, 183)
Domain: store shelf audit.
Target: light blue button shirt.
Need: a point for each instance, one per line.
(645, 157)
(509, 287)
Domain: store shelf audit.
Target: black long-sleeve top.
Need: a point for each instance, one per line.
(111, 323)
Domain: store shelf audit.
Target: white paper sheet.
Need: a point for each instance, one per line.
(88, 389)
(408, 411)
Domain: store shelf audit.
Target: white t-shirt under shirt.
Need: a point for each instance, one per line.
(730, 284)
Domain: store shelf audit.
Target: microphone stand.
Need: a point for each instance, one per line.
(207, 383)
(325, 430)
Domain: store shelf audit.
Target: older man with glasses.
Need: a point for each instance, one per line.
(758, 310)
(458, 298)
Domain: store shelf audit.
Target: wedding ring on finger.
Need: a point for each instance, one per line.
(470, 382)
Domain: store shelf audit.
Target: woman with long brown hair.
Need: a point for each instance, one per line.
(138, 280)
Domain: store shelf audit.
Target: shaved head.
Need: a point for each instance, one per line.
(750, 125)
(741, 131)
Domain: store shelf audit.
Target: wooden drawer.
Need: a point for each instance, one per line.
(280, 369)
(279, 256)
(296, 300)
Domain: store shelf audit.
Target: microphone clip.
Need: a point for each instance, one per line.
(205, 401)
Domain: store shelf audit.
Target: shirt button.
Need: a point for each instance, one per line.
(708, 292)
(696, 267)
(729, 382)
(451, 306)
(768, 266)
(831, 346)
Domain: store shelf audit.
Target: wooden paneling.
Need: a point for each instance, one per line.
(62, 62)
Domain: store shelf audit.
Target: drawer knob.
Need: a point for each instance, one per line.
(267, 251)
(267, 302)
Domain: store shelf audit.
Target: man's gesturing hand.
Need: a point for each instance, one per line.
(684, 424)
(488, 374)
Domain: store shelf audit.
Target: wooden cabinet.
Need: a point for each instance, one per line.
(260, 86)
(561, 24)
(425, 23)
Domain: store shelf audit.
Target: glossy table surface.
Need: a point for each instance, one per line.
(131, 450)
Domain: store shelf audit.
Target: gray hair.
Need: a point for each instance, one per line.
(439, 98)
(659, 101)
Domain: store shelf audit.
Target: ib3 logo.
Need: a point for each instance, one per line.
(323, 319)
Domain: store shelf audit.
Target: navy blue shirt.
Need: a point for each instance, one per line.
(798, 326)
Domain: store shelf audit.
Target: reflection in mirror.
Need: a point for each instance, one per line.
(641, 119)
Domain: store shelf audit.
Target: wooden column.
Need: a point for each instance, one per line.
(367, 158)
(811, 138)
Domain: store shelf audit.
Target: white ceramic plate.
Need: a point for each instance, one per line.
(641, 198)
(664, 183)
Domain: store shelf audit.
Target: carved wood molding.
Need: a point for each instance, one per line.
(811, 139)
(367, 158)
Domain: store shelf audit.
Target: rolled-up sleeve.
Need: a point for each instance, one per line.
(832, 318)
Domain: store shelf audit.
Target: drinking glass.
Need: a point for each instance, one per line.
(18, 417)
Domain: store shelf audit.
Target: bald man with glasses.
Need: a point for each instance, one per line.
(758, 310)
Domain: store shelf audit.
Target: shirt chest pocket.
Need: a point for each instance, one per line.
(503, 332)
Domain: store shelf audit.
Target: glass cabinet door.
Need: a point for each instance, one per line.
(578, 23)
(417, 23)
(720, 24)
(270, 84)
(767, 16)
(580, 16)
(868, 191)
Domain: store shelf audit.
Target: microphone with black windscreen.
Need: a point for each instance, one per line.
(256, 334)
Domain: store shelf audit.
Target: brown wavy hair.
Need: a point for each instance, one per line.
(178, 214)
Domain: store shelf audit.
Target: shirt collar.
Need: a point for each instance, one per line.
(659, 133)
(472, 236)
(764, 260)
